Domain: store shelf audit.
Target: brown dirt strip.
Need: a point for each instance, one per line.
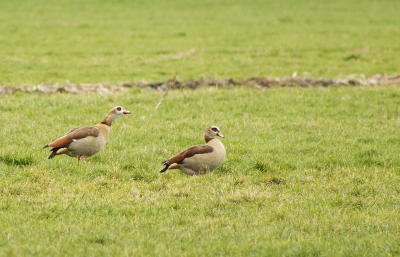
(175, 83)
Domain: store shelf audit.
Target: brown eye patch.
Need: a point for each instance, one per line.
(214, 129)
(119, 109)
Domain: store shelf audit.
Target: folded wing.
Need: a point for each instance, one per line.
(189, 152)
(75, 134)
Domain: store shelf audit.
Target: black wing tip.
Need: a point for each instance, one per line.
(54, 153)
(45, 146)
(165, 168)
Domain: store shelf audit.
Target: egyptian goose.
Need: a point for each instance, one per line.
(199, 159)
(85, 141)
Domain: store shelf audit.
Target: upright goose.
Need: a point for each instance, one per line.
(85, 141)
(199, 159)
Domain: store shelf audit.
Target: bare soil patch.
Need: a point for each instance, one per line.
(175, 83)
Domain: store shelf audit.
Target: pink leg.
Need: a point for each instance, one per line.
(80, 158)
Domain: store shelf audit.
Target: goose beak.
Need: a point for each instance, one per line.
(220, 135)
(126, 112)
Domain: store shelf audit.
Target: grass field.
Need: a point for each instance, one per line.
(103, 41)
(308, 172)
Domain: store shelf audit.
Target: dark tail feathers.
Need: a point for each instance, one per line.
(165, 168)
(54, 152)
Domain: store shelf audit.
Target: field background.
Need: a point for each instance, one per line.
(309, 171)
(95, 41)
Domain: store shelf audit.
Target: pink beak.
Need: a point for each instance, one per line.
(220, 135)
(126, 112)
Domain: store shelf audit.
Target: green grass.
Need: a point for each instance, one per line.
(94, 41)
(308, 172)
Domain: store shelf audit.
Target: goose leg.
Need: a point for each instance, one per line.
(80, 158)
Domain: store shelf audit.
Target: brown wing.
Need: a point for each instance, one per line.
(82, 132)
(75, 129)
(75, 134)
(190, 152)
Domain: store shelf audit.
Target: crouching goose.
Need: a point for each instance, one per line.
(199, 159)
(85, 141)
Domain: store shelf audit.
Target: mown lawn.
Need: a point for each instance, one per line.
(308, 172)
(91, 41)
